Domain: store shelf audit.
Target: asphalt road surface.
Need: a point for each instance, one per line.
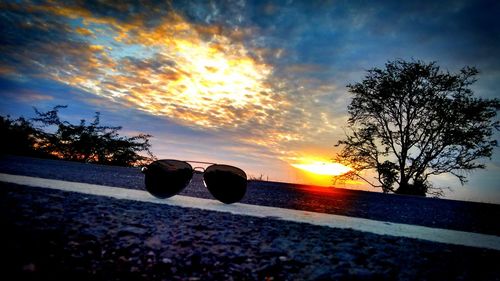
(49, 234)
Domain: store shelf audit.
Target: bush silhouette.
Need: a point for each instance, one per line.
(47, 135)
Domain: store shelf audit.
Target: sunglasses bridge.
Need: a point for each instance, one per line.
(200, 170)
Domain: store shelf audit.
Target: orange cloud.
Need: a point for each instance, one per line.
(84, 31)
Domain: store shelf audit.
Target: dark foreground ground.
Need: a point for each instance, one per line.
(56, 235)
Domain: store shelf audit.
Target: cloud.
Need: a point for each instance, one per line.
(195, 76)
(28, 96)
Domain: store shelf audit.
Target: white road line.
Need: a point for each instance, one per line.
(329, 220)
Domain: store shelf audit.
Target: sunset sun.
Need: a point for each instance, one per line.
(322, 168)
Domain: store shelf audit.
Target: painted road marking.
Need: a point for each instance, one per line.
(328, 220)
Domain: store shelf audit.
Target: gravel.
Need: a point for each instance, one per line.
(56, 235)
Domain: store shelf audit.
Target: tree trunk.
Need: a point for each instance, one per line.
(404, 187)
(418, 188)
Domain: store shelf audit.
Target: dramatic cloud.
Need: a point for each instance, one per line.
(200, 75)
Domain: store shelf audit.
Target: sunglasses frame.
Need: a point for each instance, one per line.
(226, 183)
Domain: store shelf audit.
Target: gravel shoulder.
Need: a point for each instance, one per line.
(56, 235)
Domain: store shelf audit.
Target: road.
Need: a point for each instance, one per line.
(57, 234)
(432, 212)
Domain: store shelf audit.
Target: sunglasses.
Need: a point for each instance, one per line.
(166, 178)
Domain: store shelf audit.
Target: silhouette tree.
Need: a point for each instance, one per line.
(19, 137)
(85, 143)
(411, 121)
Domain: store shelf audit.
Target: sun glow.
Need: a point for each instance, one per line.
(195, 74)
(201, 81)
(322, 168)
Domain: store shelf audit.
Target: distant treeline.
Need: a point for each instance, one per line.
(47, 136)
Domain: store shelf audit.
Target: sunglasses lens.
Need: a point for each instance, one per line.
(166, 178)
(227, 184)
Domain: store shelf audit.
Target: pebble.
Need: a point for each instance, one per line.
(132, 230)
(166, 260)
(30, 267)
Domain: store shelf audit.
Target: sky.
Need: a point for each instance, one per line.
(260, 85)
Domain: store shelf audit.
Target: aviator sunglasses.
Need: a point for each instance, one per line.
(166, 178)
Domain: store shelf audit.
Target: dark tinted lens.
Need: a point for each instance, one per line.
(166, 178)
(227, 184)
